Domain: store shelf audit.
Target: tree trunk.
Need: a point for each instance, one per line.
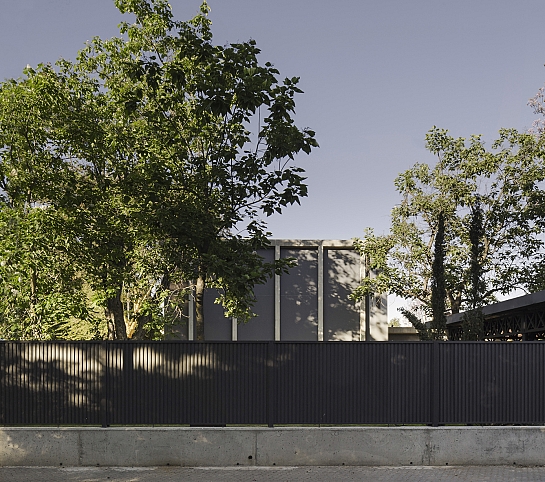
(116, 321)
(455, 302)
(199, 308)
(139, 333)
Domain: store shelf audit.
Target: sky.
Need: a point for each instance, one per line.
(377, 75)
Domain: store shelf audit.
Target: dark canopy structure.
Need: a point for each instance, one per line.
(518, 319)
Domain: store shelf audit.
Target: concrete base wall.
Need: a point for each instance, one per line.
(293, 446)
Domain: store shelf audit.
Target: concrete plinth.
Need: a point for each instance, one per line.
(292, 446)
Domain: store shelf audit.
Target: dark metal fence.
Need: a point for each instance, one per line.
(126, 383)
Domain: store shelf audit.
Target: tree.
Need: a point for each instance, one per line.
(192, 106)
(473, 319)
(507, 183)
(438, 291)
(394, 322)
(437, 328)
(537, 103)
(42, 291)
(173, 149)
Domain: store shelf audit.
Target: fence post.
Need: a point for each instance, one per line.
(104, 369)
(271, 382)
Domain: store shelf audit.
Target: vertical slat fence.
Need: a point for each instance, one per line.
(220, 383)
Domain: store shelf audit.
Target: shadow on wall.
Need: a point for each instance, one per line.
(104, 383)
(342, 318)
(171, 383)
(299, 296)
(127, 383)
(261, 327)
(51, 383)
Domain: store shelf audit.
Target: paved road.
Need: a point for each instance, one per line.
(271, 474)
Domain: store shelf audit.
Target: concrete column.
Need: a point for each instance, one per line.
(321, 292)
(191, 322)
(234, 329)
(362, 303)
(277, 297)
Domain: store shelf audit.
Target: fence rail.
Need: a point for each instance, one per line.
(218, 383)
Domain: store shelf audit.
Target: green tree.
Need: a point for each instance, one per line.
(438, 291)
(473, 319)
(42, 291)
(170, 150)
(437, 328)
(507, 182)
(394, 322)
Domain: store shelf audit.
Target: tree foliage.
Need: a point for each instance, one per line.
(42, 290)
(473, 319)
(161, 152)
(506, 182)
(537, 103)
(438, 290)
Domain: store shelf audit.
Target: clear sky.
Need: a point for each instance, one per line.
(377, 75)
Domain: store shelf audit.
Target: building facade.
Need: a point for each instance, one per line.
(310, 303)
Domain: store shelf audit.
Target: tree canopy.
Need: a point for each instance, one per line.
(507, 184)
(159, 153)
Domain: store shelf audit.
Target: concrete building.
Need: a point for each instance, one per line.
(402, 333)
(310, 303)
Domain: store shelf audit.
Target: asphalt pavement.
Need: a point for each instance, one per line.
(272, 474)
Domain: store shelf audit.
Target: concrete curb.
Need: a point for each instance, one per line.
(291, 446)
